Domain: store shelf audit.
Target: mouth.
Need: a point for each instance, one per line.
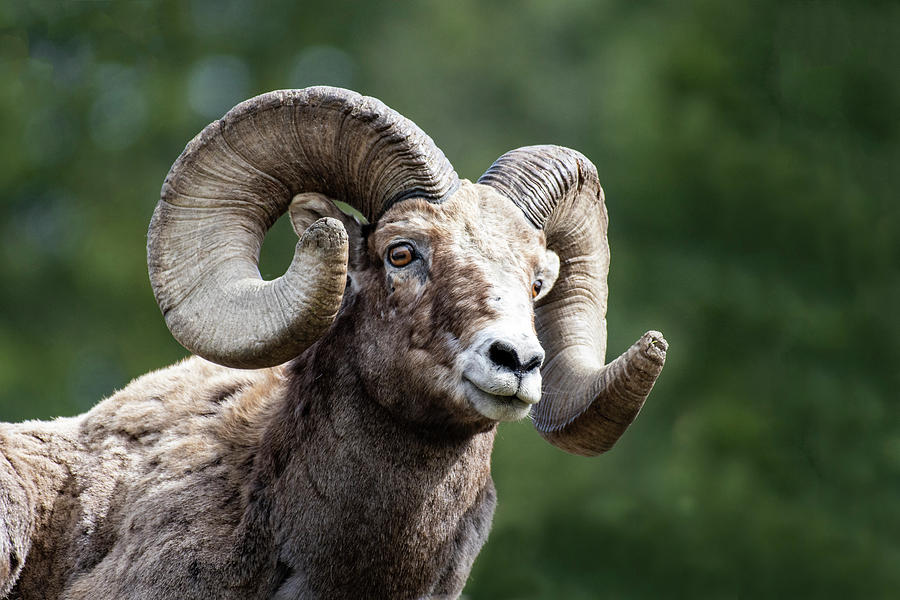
(494, 406)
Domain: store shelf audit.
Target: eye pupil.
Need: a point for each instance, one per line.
(536, 288)
(400, 255)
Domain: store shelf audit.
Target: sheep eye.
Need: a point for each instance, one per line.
(536, 288)
(401, 255)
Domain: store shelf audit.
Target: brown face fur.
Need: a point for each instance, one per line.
(476, 259)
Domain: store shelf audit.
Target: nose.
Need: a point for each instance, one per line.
(519, 358)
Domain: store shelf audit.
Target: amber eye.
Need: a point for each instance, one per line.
(536, 288)
(401, 255)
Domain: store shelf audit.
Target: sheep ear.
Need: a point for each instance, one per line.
(306, 209)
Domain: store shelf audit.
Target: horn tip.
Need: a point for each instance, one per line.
(327, 234)
(653, 346)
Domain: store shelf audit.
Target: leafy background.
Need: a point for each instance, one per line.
(749, 153)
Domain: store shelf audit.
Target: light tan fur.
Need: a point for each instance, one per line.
(162, 438)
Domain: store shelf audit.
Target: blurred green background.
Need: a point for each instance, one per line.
(749, 152)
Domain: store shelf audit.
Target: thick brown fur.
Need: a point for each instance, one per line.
(358, 470)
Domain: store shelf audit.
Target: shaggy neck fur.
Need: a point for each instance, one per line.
(360, 502)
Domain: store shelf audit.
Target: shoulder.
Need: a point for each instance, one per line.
(193, 397)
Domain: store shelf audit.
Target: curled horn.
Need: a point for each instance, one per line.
(237, 177)
(586, 404)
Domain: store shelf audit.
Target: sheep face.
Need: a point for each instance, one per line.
(441, 298)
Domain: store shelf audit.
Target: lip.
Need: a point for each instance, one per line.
(493, 406)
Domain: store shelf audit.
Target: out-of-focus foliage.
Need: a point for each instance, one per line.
(750, 157)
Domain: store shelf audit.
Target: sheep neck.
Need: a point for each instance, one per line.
(360, 498)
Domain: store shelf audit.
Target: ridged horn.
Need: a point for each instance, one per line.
(586, 404)
(236, 178)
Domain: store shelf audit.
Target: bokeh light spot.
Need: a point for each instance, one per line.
(217, 83)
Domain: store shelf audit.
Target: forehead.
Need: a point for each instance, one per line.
(476, 220)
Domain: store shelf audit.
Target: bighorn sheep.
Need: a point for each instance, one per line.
(334, 439)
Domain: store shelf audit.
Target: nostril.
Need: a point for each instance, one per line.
(534, 363)
(504, 355)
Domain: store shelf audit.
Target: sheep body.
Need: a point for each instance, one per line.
(150, 495)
